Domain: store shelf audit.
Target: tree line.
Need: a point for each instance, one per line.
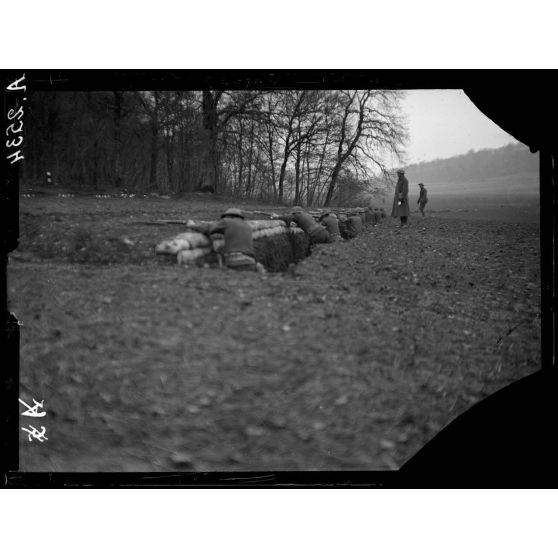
(312, 147)
(485, 164)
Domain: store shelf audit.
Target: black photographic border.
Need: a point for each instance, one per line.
(520, 102)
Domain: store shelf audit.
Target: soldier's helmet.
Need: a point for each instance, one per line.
(233, 212)
(324, 214)
(297, 209)
(400, 171)
(421, 184)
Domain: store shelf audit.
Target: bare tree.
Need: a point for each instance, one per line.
(218, 108)
(274, 145)
(118, 111)
(369, 125)
(149, 103)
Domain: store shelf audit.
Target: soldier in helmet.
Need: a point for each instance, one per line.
(317, 233)
(369, 217)
(401, 198)
(423, 198)
(353, 225)
(239, 249)
(329, 221)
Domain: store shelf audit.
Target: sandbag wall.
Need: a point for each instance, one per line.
(368, 217)
(275, 245)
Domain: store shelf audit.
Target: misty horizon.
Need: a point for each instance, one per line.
(446, 123)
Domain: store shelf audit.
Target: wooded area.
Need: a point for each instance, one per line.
(485, 164)
(311, 147)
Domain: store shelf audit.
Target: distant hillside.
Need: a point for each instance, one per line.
(479, 166)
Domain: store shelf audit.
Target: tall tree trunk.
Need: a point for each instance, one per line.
(189, 160)
(272, 161)
(297, 166)
(332, 183)
(210, 162)
(307, 161)
(250, 156)
(281, 180)
(154, 144)
(283, 170)
(95, 163)
(297, 176)
(170, 159)
(288, 145)
(154, 161)
(240, 158)
(117, 170)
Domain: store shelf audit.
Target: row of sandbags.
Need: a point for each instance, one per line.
(191, 246)
(342, 213)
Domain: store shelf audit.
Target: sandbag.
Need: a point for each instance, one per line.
(191, 247)
(184, 241)
(191, 256)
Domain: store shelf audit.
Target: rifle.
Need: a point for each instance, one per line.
(166, 222)
(262, 213)
(160, 222)
(170, 222)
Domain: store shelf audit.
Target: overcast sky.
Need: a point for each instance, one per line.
(444, 122)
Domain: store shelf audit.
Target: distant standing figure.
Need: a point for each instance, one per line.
(317, 233)
(401, 199)
(239, 248)
(329, 221)
(423, 198)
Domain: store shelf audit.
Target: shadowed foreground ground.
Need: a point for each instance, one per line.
(353, 361)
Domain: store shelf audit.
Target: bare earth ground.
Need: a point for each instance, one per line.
(352, 361)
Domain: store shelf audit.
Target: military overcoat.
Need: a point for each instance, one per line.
(401, 194)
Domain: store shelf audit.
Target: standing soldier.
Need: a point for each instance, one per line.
(423, 198)
(317, 233)
(329, 221)
(239, 249)
(401, 198)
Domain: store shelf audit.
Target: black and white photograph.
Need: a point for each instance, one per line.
(269, 273)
